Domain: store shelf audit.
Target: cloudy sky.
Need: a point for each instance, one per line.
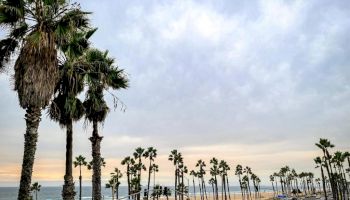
(252, 82)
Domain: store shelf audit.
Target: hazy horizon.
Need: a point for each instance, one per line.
(255, 83)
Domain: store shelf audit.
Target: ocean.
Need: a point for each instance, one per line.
(54, 193)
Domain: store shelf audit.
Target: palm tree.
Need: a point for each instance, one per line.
(324, 145)
(66, 108)
(37, 30)
(212, 183)
(154, 169)
(80, 161)
(194, 174)
(214, 171)
(272, 179)
(239, 172)
(102, 76)
(201, 165)
(166, 192)
(128, 162)
(150, 153)
(248, 171)
(35, 188)
(138, 154)
(176, 157)
(114, 182)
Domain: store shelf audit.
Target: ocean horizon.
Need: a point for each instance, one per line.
(54, 192)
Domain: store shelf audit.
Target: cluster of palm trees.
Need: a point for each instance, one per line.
(54, 64)
(292, 183)
(135, 165)
(218, 172)
(180, 170)
(245, 175)
(333, 171)
(333, 180)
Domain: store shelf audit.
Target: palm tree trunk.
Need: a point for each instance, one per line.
(139, 180)
(96, 163)
(80, 179)
(200, 189)
(194, 189)
(149, 177)
(273, 188)
(330, 174)
(324, 184)
(128, 177)
(176, 183)
(212, 187)
(68, 192)
(228, 189)
(240, 186)
(224, 185)
(205, 190)
(182, 186)
(216, 188)
(32, 118)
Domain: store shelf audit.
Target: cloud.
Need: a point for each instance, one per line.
(256, 79)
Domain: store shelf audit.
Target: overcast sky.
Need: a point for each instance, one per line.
(253, 82)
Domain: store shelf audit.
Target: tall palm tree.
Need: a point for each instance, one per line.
(239, 172)
(201, 165)
(194, 174)
(325, 145)
(102, 75)
(176, 157)
(154, 170)
(128, 161)
(114, 182)
(66, 108)
(214, 171)
(35, 188)
(138, 154)
(248, 171)
(37, 30)
(150, 153)
(272, 179)
(80, 161)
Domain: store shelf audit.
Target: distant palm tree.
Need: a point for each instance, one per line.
(324, 145)
(103, 75)
(166, 192)
(212, 183)
(80, 161)
(150, 153)
(176, 157)
(154, 169)
(37, 31)
(248, 171)
(138, 154)
(114, 183)
(272, 179)
(194, 174)
(128, 161)
(223, 166)
(201, 165)
(35, 188)
(239, 172)
(214, 171)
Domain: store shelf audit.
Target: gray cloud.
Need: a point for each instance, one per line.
(227, 73)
